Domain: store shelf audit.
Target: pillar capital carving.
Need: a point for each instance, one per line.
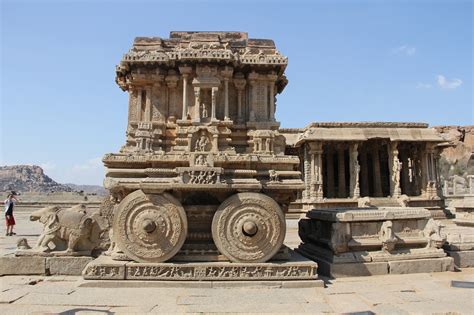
(227, 72)
(253, 76)
(272, 77)
(172, 79)
(315, 147)
(239, 84)
(185, 70)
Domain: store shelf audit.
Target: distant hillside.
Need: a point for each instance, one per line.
(89, 189)
(31, 178)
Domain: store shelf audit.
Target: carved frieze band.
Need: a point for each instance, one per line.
(177, 272)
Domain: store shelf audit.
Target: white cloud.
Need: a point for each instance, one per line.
(405, 50)
(422, 85)
(447, 84)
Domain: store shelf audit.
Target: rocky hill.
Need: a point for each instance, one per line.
(88, 189)
(458, 158)
(31, 178)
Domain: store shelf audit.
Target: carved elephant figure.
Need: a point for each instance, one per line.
(432, 231)
(73, 229)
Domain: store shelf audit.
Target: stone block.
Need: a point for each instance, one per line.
(104, 268)
(421, 265)
(359, 269)
(22, 265)
(462, 259)
(302, 284)
(351, 269)
(71, 266)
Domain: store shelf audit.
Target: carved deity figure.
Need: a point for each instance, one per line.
(202, 142)
(204, 113)
(200, 160)
(273, 176)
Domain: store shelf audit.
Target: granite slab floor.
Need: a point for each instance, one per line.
(425, 293)
(435, 293)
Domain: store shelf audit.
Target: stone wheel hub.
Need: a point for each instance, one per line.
(249, 227)
(150, 228)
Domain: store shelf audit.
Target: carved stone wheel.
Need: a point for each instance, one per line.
(150, 228)
(249, 227)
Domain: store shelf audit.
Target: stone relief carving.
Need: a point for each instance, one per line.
(273, 176)
(202, 177)
(387, 236)
(202, 144)
(432, 231)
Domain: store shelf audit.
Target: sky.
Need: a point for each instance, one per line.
(348, 61)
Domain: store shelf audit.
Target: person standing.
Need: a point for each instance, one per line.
(10, 203)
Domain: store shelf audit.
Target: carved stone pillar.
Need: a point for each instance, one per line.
(316, 175)
(131, 104)
(185, 72)
(271, 86)
(341, 167)
(226, 99)
(253, 76)
(265, 101)
(406, 167)
(377, 180)
(239, 83)
(427, 172)
(148, 107)
(306, 173)
(364, 173)
(395, 168)
(429, 164)
(213, 103)
(172, 83)
(227, 74)
(197, 103)
(139, 104)
(330, 171)
(185, 98)
(354, 170)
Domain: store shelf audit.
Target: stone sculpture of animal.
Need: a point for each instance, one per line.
(72, 230)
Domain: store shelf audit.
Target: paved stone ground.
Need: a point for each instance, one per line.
(393, 294)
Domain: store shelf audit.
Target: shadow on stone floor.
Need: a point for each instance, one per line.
(84, 309)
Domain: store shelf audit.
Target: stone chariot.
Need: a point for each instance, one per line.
(203, 176)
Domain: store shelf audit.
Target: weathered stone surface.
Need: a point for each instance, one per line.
(462, 259)
(358, 269)
(201, 137)
(298, 268)
(421, 265)
(22, 265)
(72, 266)
(104, 268)
(362, 242)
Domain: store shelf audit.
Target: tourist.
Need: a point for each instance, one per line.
(10, 220)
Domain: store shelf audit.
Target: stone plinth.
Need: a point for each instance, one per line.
(459, 244)
(368, 241)
(465, 212)
(297, 268)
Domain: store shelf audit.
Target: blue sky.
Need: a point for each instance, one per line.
(348, 61)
